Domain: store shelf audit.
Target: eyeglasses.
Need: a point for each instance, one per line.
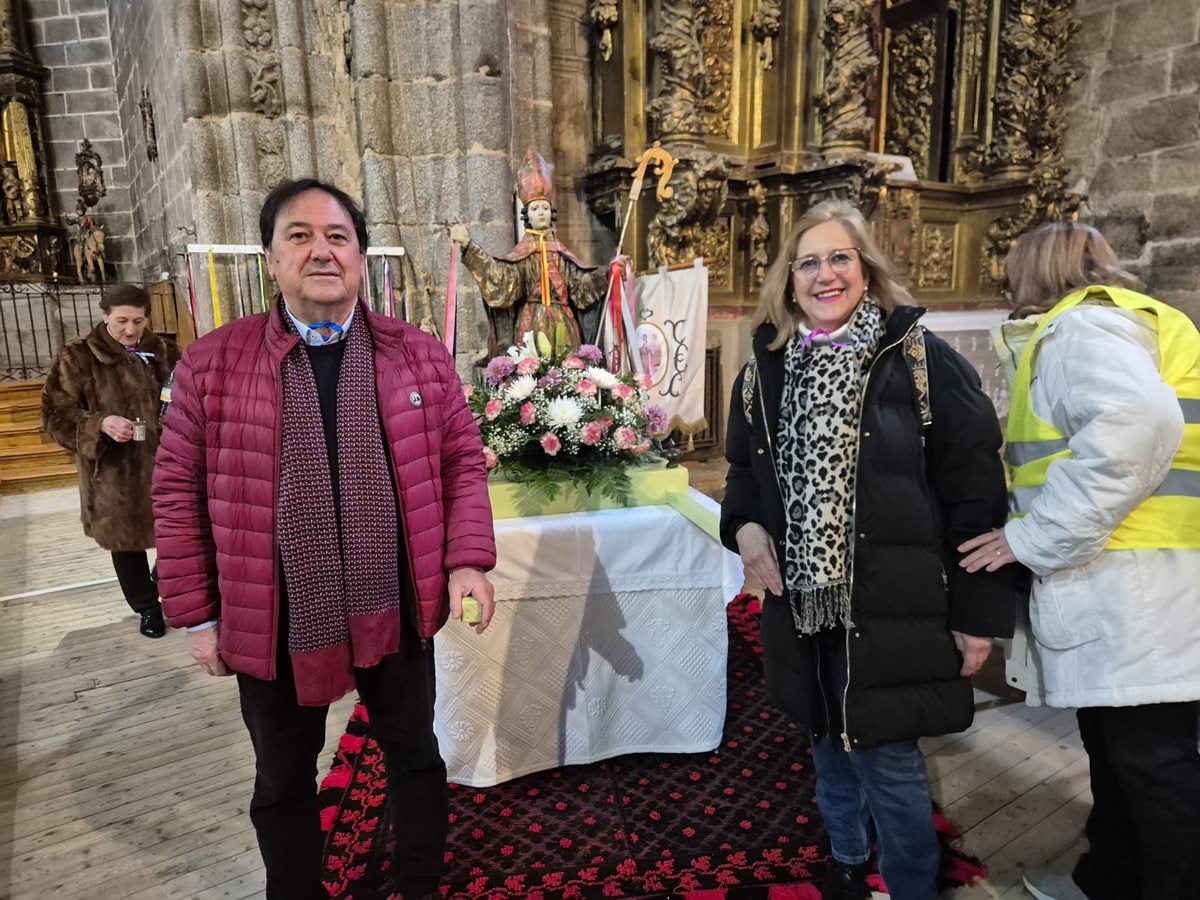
(808, 267)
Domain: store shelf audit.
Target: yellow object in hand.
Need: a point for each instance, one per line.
(472, 612)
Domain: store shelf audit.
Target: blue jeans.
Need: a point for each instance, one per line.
(887, 786)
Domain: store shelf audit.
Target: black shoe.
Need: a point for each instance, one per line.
(153, 625)
(845, 882)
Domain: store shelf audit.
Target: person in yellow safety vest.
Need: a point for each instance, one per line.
(1103, 445)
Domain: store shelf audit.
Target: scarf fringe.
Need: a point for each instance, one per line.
(821, 607)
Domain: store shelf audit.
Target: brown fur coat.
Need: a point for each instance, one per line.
(92, 378)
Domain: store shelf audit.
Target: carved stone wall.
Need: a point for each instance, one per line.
(146, 59)
(1133, 138)
(414, 107)
(71, 39)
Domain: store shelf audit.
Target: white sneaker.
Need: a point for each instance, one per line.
(1051, 886)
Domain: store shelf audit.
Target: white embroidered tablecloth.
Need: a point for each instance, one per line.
(609, 638)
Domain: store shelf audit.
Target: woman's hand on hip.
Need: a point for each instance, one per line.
(974, 650)
(990, 551)
(757, 550)
(118, 428)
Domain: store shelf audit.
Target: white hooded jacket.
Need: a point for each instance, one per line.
(1110, 627)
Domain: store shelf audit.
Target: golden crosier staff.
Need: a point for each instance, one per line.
(664, 167)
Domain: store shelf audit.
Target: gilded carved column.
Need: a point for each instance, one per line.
(851, 73)
(912, 55)
(971, 112)
(687, 224)
(1016, 102)
(678, 108)
(1036, 72)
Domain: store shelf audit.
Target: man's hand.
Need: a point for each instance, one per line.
(990, 550)
(202, 645)
(758, 557)
(460, 234)
(118, 428)
(475, 583)
(974, 650)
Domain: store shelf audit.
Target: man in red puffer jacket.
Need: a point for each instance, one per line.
(321, 508)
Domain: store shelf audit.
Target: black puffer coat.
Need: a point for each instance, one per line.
(895, 675)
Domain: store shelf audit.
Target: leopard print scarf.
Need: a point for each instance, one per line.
(818, 457)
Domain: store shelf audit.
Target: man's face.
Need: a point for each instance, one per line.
(541, 214)
(314, 255)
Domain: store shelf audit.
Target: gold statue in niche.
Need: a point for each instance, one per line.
(20, 165)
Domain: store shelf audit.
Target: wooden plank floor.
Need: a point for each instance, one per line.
(125, 772)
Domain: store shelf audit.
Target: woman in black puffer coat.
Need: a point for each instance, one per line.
(862, 451)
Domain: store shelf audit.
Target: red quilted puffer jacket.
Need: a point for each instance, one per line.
(216, 482)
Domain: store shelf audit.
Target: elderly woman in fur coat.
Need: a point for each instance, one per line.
(97, 390)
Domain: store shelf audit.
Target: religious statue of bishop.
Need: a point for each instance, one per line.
(541, 286)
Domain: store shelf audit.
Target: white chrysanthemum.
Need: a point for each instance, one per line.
(563, 412)
(602, 377)
(521, 387)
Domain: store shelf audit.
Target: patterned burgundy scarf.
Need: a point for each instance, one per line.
(343, 580)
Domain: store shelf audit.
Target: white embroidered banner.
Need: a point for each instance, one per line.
(668, 341)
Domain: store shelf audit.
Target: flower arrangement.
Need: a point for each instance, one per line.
(546, 418)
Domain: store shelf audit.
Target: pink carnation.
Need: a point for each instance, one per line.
(551, 444)
(527, 365)
(605, 423)
(468, 390)
(492, 409)
(643, 447)
(591, 434)
(586, 386)
(573, 362)
(528, 413)
(490, 459)
(626, 438)
(622, 392)
(644, 380)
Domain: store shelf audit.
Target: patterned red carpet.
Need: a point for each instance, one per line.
(738, 824)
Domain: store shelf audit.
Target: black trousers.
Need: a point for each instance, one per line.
(398, 694)
(137, 584)
(1144, 828)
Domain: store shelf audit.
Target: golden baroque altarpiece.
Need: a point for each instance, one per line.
(770, 106)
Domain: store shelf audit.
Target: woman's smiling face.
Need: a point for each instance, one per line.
(830, 292)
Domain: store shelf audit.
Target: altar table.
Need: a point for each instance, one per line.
(609, 638)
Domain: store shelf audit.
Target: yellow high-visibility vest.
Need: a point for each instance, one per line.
(1170, 517)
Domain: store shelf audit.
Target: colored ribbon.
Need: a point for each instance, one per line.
(192, 294)
(262, 283)
(213, 290)
(545, 258)
(389, 304)
(237, 280)
(449, 323)
(615, 325)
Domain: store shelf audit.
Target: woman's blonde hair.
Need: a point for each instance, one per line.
(777, 300)
(1054, 259)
